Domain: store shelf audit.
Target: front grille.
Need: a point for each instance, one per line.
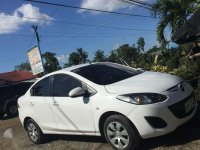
(178, 109)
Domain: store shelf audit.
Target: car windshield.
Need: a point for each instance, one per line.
(104, 74)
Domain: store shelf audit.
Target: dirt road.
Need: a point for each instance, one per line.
(186, 137)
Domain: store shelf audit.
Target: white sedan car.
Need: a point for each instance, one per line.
(121, 103)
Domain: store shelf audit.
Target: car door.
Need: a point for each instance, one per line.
(39, 102)
(72, 114)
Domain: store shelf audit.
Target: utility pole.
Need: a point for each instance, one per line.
(38, 42)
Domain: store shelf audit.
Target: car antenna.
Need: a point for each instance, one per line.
(124, 62)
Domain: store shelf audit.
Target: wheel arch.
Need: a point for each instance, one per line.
(105, 115)
(25, 121)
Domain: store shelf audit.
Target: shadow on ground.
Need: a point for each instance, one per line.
(95, 139)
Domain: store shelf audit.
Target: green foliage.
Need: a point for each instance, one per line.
(172, 14)
(83, 55)
(188, 70)
(127, 53)
(23, 66)
(112, 57)
(51, 63)
(78, 57)
(172, 63)
(141, 43)
(74, 59)
(99, 56)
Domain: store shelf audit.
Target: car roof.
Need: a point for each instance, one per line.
(75, 67)
(83, 65)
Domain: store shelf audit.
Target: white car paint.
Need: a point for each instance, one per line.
(81, 115)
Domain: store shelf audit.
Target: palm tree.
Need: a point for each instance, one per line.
(172, 14)
(99, 56)
(51, 63)
(141, 43)
(83, 55)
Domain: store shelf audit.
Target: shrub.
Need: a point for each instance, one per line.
(159, 68)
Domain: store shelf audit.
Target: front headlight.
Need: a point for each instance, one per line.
(142, 98)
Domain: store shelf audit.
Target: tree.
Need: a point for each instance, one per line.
(141, 43)
(112, 57)
(172, 14)
(78, 57)
(51, 63)
(83, 55)
(99, 56)
(127, 53)
(74, 59)
(23, 66)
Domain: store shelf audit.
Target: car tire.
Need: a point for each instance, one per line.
(34, 132)
(119, 132)
(11, 110)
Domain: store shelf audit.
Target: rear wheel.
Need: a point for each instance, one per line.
(34, 132)
(120, 134)
(12, 110)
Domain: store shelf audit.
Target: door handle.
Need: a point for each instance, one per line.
(55, 103)
(31, 104)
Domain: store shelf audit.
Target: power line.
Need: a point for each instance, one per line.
(82, 24)
(89, 9)
(140, 2)
(137, 3)
(55, 10)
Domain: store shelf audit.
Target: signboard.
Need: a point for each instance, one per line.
(35, 60)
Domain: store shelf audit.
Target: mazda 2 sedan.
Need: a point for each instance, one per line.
(118, 102)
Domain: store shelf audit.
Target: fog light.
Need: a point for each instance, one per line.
(156, 122)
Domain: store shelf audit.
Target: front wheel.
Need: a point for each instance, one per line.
(34, 132)
(120, 134)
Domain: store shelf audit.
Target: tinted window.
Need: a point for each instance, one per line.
(107, 73)
(63, 84)
(42, 88)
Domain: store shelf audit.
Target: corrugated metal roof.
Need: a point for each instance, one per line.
(15, 76)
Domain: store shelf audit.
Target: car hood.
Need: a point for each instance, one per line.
(147, 81)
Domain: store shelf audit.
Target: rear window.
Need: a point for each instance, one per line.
(108, 73)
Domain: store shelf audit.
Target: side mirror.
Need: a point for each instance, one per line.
(76, 92)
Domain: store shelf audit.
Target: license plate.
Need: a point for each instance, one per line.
(189, 105)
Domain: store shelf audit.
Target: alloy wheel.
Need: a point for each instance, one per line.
(117, 135)
(33, 132)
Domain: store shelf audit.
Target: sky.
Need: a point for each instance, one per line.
(70, 28)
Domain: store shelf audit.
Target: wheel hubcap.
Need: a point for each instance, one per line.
(117, 135)
(32, 131)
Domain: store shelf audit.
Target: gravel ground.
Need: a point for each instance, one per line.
(186, 137)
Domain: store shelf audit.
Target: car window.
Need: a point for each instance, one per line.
(105, 74)
(42, 88)
(63, 84)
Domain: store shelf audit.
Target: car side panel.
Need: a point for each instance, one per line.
(103, 103)
(39, 110)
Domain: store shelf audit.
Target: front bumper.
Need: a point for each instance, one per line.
(163, 112)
